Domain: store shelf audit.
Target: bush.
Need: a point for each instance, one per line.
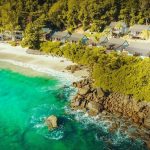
(51, 47)
(114, 72)
(13, 43)
(31, 37)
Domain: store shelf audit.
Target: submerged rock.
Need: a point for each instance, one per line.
(51, 122)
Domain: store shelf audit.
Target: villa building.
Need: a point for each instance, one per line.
(59, 36)
(1, 37)
(118, 28)
(14, 36)
(141, 49)
(45, 33)
(67, 37)
(136, 30)
(102, 41)
(76, 37)
(17, 35)
(116, 44)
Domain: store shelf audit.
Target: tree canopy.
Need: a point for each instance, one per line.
(70, 14)
(110, 71)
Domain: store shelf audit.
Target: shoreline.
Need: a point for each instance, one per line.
(45, 64)
(116, 107)
(56, 67)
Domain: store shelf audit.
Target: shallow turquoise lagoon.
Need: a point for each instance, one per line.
(26, 101)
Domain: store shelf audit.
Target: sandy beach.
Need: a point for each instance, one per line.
(51, 65)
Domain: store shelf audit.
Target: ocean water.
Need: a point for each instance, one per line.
(25, 101)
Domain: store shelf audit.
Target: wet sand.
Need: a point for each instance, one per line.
(47, 64)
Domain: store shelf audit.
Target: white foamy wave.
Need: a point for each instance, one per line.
(65, 77)
(55, 134)
(39, 125)
(86, 120)
(40, 113)
(37, 121)
(100, 123)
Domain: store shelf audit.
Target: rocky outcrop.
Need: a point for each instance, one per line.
(88, 98)
(74, 68)
(51, 122)
(96, 101)
(35, 52)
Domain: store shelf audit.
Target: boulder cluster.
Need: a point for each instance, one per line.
(74, 68)
(96, 101)
(34, 52)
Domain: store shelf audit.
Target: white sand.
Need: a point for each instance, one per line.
(54, 66)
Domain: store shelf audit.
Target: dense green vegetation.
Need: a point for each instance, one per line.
(114, 72)
(31, 36)
(97, 14)
(70, 14)
(16, 14)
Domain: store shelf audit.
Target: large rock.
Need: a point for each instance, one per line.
(73, 68)
(51, 122)
(76, 103)
(100, 92)
(113, 127)
(94, 108)
(84, 90)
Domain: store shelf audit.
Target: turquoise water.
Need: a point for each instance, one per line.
(25, 102)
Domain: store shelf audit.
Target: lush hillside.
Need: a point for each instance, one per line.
(114, 72)
(16, 14)
(70, 14)
(96, 14)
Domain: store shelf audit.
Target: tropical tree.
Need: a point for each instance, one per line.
(31, 36)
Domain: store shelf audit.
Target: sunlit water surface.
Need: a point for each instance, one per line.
(26, 101)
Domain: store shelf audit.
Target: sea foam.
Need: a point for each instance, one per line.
(62, 76)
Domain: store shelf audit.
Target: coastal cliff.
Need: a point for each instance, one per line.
(95, 101)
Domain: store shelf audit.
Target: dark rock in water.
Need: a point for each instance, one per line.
(109, 142)
(113, 127)
(51, 122)
(147, 143)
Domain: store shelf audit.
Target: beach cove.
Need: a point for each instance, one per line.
(41, 86)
